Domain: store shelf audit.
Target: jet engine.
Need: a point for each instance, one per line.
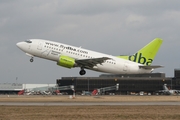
(66, 61)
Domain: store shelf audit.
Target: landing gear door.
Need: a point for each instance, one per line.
(39, 47)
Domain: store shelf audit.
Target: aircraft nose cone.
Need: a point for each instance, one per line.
(21, 45)
(18, 44)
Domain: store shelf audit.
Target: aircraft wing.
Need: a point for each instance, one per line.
(150, 67)
(161, 91)
(177, 91)
(89, 63)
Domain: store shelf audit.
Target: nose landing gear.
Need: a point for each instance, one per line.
(31, 60)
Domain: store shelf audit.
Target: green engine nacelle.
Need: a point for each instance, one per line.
(66, 61)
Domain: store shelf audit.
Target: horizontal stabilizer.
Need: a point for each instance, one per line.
(150, 67)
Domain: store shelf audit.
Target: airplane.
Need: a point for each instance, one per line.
(70, 56)
(46, 93)
(166, 91)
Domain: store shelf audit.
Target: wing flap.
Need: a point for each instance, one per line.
(89, 63)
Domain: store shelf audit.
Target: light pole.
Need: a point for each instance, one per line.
(16, 80)
(171, 83)
(88, 84)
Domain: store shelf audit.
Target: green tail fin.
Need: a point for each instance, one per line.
(147, 54)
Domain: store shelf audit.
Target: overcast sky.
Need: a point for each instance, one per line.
(115, 27)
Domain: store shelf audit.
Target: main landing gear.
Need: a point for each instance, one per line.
(82, 72)
(31, 60)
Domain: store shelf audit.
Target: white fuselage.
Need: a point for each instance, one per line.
(53, 50)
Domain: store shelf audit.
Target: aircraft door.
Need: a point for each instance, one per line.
(125, 67)
(39, 47)
(29, 47)
(45, 53)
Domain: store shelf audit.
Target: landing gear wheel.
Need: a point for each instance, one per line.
(31, 60)
(82, 72)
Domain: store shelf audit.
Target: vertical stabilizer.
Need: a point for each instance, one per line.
(165, 87)
(147, 54)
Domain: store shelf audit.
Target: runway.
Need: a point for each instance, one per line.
(89, 103)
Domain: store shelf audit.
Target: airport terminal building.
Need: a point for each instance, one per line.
(127, 84)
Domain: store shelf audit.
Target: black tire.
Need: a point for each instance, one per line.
(82, 72)
(31, 60)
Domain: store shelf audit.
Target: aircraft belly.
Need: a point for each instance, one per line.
(120, 69)
(106, 68)
(54, 58)
(127, 68)
(144, 71)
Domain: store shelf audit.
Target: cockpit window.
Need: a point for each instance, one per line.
(28, 41)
